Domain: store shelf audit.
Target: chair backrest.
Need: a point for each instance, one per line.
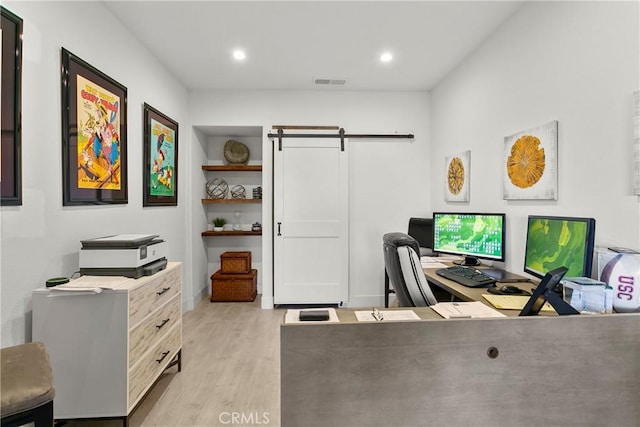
(421, 229)
(402, 264)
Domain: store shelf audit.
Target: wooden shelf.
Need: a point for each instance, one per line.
(232, 168)
(232, 233)
(232, 201)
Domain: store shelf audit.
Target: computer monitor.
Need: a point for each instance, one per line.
(554, 241)
(472, 235)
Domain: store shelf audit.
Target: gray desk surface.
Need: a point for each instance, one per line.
(552, 371)
(474, 294)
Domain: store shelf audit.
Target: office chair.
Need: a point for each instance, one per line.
(403, 270)
(421, 229)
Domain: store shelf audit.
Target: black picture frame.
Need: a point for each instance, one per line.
(11, 148)
(160, 159)
(94, 135)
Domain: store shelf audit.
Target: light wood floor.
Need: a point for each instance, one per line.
(230, 368)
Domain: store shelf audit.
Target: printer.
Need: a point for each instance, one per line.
(129, 255)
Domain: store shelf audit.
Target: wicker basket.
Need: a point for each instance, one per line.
(235, 262)
(234, 287)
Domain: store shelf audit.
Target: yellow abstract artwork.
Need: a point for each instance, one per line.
(457, 177)
(530, 164)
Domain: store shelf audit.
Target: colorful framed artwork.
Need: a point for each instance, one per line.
(11, 148)
(531, 164)
(160, 164)
(94, 135)
(457, 168)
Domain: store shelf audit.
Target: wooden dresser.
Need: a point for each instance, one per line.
(107, 349)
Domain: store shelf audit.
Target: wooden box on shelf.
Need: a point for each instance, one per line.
(234, 287)
(235, 262)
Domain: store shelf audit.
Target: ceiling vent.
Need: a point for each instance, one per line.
(333, 82)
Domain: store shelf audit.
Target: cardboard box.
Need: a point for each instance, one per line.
(236, 287)
(622, 272)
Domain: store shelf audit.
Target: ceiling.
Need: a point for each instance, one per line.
(289, 44)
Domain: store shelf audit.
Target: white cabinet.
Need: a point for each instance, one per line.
(107, 349)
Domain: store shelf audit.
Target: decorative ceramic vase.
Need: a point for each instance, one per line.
(236, 225)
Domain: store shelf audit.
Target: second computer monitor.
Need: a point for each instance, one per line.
(554, 241)
(472, 235)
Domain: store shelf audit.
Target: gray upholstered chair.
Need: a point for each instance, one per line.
(404, 272)
(26, 391)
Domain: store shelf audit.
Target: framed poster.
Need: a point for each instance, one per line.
(531, 164)
(160, 164)
(457, 169)
(11, 148)
(94, 135)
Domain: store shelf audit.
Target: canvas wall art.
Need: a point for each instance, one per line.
(531, 164)
(457, 168)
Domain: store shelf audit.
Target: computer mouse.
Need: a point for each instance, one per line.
(509, 289)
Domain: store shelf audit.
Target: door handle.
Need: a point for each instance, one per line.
(279, 224)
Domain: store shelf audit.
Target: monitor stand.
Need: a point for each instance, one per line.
(469, 261)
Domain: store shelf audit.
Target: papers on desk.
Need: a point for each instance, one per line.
(385, 315)
(512, 302)
(437, 262)
(92, 284)
(457, 310)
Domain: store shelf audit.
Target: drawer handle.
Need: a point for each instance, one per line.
(164, 322)
(163, 291)
(164, 354)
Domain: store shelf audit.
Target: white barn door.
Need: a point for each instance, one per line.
(311, 221)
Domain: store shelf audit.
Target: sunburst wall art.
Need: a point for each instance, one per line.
(531, 164)
(457, 177)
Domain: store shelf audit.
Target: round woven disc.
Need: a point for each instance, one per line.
(236, 152)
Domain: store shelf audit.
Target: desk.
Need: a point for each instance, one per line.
(466, 293)
(460, 372)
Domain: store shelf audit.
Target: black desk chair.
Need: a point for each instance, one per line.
(403, 270)
(421, 229)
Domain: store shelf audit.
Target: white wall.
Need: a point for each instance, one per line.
(575, 62)
(389, 180)
(41, 238)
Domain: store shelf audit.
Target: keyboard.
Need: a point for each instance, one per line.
(466, 276)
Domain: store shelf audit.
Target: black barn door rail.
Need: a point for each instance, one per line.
(341, 134)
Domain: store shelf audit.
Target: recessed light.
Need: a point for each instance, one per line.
(239, 54)
(386, 57)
